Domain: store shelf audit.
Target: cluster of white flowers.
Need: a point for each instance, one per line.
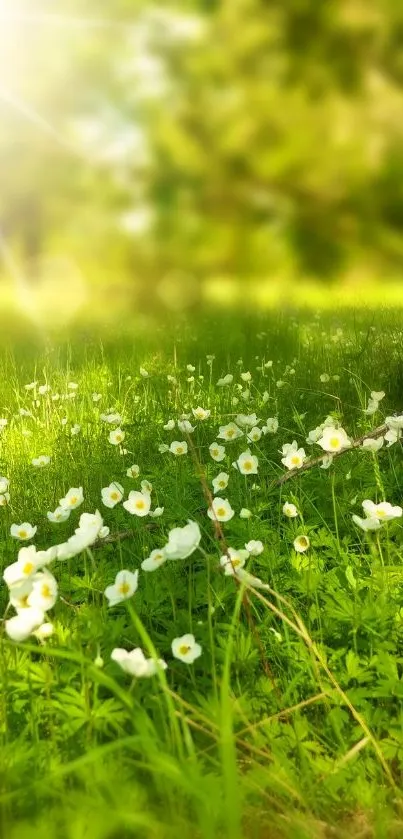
(32, 587)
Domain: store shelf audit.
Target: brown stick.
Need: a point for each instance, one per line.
(314, 461)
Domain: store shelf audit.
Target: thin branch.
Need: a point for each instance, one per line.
(314, 461)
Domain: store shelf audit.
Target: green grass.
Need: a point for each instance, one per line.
(290, 724)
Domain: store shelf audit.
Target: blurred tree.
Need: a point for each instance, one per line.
(246, 138)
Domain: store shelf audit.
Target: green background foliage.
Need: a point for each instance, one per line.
(249, 138)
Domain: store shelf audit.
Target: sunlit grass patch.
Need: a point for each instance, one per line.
(206, 636)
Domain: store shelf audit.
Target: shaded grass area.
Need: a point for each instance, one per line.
(289, 725)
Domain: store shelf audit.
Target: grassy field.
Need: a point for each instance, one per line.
(288, 724)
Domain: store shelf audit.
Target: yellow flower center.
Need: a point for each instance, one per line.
(334, 442)
(295, 460)
(22, 534)
(114, 496)
(124, 588)
(184, 649)
(380, 514)
(139, 504)
(28, 568)
(45, 590)
(247, 465)
(179, 450)
(73, 500)
(220, 511)
(230, 432)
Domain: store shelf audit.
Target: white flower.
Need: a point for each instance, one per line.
(89, 530)
(393, 435)
(244, 513)
(226, 380)
(301, 544)
(111, 418)
(138, 503)
(170, 425)
(366, 524)
(125, 586)
(4, 499)
(116, 436)
(373, 444)
(247, 463)
(43, 389)
(31, 386)
(268, 364)
(294, 458)
(163, 448)
(247, 420)
(190, 368)
(28, 562)
(233, 560)
(182, 541)
(112, 494)
(96, 397)
(23, 531)
(395, 422)
(185, 426)
(44, 591)
(133, 471)
(324, 377)
(103, 532)
(22, 625)
(229, 432)
(280, 383)
(254, 434)
(59, 515)
(220, 481)
(44, 631)
(146, 487)
(75, 429)
(255, 547)
(178, 447)
(136, 664)
(155, 560)
(246, 377)
(255, 582)
(41, 461)
(73, 498)
(200, 413)
(315, 434)
(383, 511)
(143, 372)
(155, 514)
(186, 649)
(4, 484)
(377, 395)
(371, 408)
(217, 452)
(327, 461)
(334, 440)
(220, 510)
(290, 510)
(72, 385)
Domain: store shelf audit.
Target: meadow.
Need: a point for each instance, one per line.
(264, 699)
